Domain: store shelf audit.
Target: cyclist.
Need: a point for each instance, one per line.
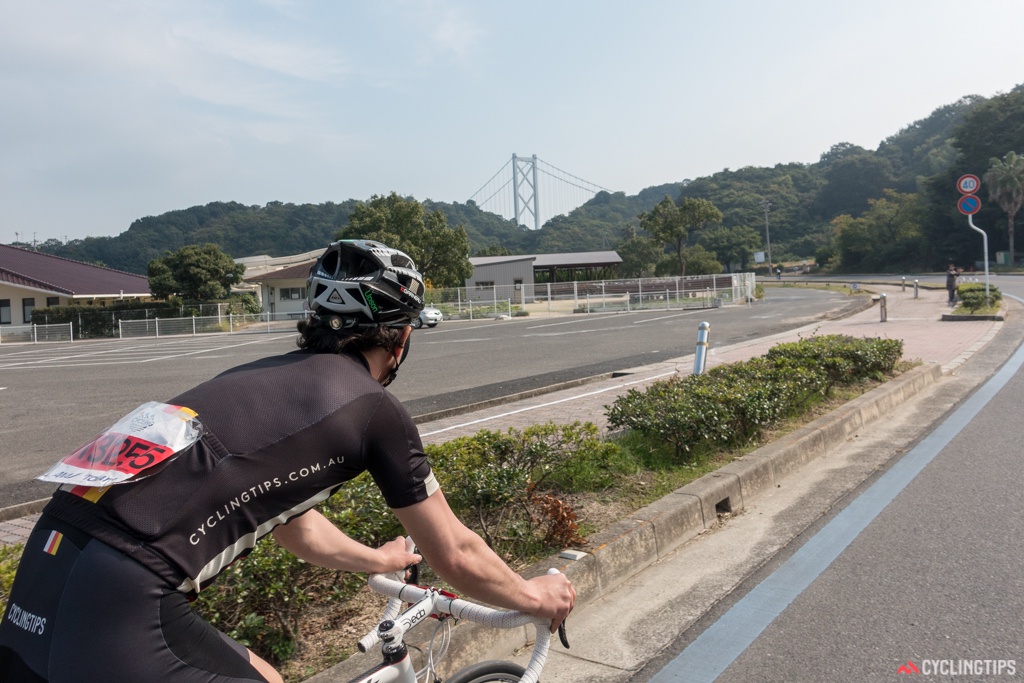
(103, 586)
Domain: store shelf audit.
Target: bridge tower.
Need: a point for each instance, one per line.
(525, 197)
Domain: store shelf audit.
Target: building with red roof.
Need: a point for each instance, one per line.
(31, 279)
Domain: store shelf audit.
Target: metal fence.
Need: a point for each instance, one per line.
(230, 323)
(37, 333)
(699, 291)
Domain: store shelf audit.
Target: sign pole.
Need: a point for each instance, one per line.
(984, 242)
(968, 205)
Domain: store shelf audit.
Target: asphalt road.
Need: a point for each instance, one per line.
(55, 396)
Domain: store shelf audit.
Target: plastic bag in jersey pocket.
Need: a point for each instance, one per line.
(131, 449)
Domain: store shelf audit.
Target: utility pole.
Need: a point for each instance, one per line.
(767, 205)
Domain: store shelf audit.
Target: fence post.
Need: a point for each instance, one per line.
(700, 358)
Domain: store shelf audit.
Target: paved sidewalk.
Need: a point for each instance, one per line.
(917, 321)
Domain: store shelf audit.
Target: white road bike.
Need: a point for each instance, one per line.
(426, 602)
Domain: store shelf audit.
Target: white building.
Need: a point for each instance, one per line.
(521, 273)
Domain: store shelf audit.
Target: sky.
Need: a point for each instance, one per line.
(112, 110)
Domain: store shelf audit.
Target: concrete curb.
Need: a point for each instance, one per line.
(626, 547)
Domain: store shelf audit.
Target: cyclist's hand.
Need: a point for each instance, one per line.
(558, 599)
(395, 557)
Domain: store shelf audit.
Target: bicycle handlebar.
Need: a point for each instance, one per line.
(400, 592)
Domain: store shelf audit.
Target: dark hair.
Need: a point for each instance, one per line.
(317, 336)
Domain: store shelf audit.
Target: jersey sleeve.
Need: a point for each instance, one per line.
(395, 457)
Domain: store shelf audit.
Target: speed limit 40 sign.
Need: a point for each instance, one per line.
(968, 184)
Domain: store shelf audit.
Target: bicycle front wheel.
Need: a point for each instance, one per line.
(489, 672)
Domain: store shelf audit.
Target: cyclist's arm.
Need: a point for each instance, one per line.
(313, 538)
(465, 561)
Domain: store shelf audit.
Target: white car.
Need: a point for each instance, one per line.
(429, 316)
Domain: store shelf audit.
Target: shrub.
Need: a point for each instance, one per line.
(505, 485)
(10, 556)
(733, 404)
(843, 359)
(972, 296)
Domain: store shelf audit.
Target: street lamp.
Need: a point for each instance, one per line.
(767, 205)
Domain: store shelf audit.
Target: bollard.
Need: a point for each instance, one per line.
(915, 288)
(903, 287)
(701, 355)
(882, 308)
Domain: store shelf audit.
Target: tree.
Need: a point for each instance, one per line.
(195, 273)
(1005, 181)
(671, 224)
(887, 237)
(441, 253)
(731, 245)
(851, 181)
(640, 253)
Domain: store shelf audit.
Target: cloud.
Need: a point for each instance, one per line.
(293, 59)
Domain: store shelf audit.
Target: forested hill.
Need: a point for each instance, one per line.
(805, 201)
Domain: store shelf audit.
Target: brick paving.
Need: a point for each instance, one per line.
(917, 321)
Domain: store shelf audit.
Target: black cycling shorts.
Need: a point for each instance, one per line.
(82, 612)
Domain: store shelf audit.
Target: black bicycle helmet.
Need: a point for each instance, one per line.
(365, 283)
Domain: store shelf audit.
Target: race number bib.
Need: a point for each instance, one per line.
(151, 434)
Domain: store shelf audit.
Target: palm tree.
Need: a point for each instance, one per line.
(1005, 180)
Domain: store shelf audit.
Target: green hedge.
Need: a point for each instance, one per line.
(972, 296)
(732, 405)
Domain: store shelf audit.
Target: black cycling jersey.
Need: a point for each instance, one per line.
(280, 435)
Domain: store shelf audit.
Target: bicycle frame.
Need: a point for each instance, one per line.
(396, 666)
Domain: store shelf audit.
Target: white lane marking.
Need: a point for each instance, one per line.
(63, 361)
(548, 404)
(666, 317)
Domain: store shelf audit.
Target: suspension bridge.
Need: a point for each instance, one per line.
(531, 191)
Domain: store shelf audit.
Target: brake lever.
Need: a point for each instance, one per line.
(561, 635)
(412, 572)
